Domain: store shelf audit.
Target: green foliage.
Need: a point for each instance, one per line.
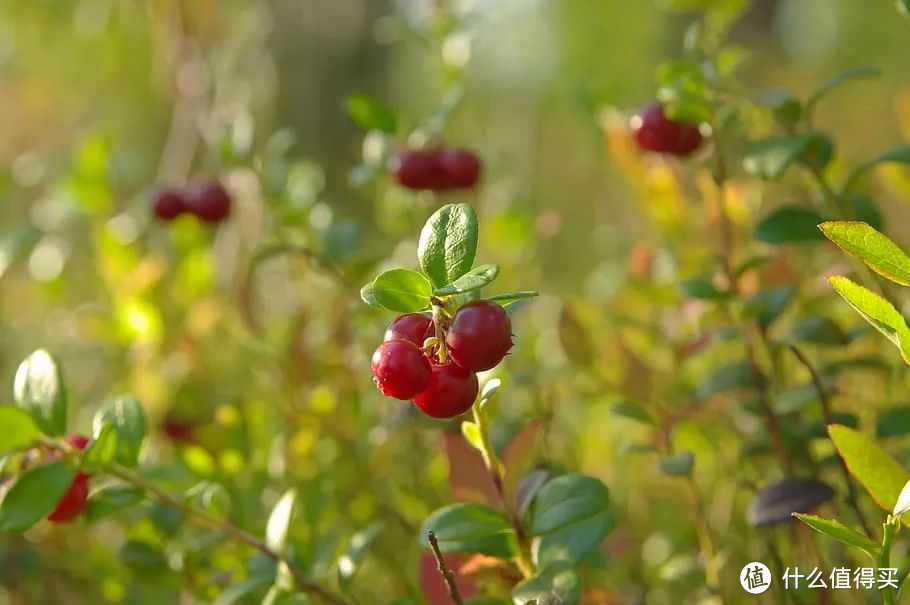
(557, 584)
(448, 244)
(126, 416)
(369, 114)
(877, 311)
(38, 389)
(769, 158)
(878, 472)
(840, 532)
(678, 464)
(868, 245)
(789, 225)
(471, 528)
(402, 290)
(19, 430)
(34, 493)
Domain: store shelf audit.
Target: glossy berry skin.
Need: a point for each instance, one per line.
(461, 167)
(168, 204)
(654, 131)
(74, 501)
(451, 392)
(413, 327)
(400, 369)
(210, 201)
(480, 335)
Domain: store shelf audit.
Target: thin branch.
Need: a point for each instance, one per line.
(301, 582)
(444, 570)
(828, 416)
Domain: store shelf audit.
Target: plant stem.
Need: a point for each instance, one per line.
(890, 528)
(705, 539)
(301, 582)
(494, 467)
(828, 417)
(447, 574)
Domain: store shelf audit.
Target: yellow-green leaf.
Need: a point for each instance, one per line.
(881, 475)
(870, 246)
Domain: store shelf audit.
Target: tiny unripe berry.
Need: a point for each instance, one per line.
(168, 204)
(450, 392)
(461, 167)
(480, 335)
(400, 369)
(209, 201)
(654, 131)
(413, 327)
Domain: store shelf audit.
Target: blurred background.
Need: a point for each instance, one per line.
(265, 357)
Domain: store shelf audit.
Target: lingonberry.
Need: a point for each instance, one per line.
(178, 430)
(209, 201)
(450, 392)
(413, 327)
(75, 499)
(654, 131)
(461, 168)
(480, 335)
(400, 369)
(168, 204)
(419, 169)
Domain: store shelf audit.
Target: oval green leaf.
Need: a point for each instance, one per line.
(128, 419)
(448, 244)
(38, 388)
(371, 115)
(472, 528)
(678, 464)
(881, 475)
(18, 429)
(872, 247)
(476, 278)
(840, 532)
(276, 531)
(402, 290)
(789, 225)
(557, 584)
(567, 500)
(34, 494)
(877, 311)
(112, 499)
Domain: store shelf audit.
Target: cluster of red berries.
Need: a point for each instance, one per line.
(74, 501)
(436, 169)
(439, 374)
(654, 131)
(209, 201)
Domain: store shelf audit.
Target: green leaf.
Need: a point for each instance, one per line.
(635, 411)
(678, 464)
(471, 433)
(898, 155)
(103, 448)
(789, 225)
(112, 499)
(557, 584)
(903, 7)
(38, 389)
(573, 542)
(769, 158)
(877, 311)
(18, 429)
(509, 297)
(736, 375)
(126, 415)
(894, 422)
(368, 296)
(836, 81)
(472, 528)
(840, 532)
(767, 305)
(818, 330)
(402, 290)
(235, 593)
(872, 247)
(476, 278)
(566, 500)
(784, 104)
(448, 244)
(370, 115)
(34, 494)
(865, 210)
(702, 289)
(276, 531)
(351, 561)
(874, 468)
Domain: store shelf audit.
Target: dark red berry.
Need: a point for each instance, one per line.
(400, 369)
(419, 169)
(480, 335)
(654, 131)
(210, 201)
(75, 499)
(461, 167)
(451, 392)
(168, 204)
(413, 327)
(177, 430)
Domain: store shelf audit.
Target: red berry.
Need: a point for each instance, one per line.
(654, 131)
(177, 430)
(413, 327)
(400, 369)
(451, 392)
(461, 167)
(419, 169)
(480, 335)
(73, 501)
(210, 201)
(168, 204)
